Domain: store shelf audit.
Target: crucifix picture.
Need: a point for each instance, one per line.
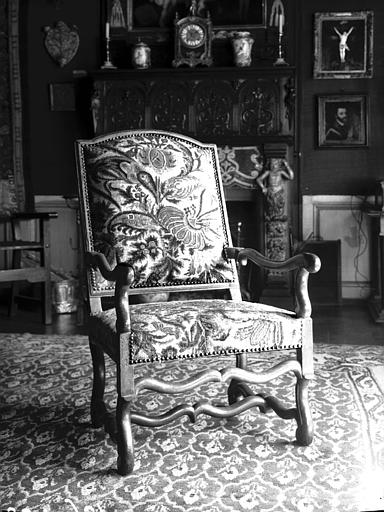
(343, 45)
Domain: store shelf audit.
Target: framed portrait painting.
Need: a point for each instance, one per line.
(343, 45)
(342, 120)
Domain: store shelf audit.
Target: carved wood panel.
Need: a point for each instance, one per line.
(213, 107)
(259, 108)
(209, 105)
(169, 106)
(125, 106)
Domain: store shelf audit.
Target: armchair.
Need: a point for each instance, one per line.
(154, 220)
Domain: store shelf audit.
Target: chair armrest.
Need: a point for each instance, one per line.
(305, 263)
(34, 215)
(121, 273)
(123, 276)
(306, 260)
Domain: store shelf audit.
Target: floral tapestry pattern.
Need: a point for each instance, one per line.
(154, 203)
(194, 328)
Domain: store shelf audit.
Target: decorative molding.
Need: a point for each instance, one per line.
(240, 166)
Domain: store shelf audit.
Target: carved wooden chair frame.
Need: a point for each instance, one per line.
(120, 278)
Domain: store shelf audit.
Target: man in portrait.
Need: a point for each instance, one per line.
(339, 128)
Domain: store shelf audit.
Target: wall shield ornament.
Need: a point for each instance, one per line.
(61, 42)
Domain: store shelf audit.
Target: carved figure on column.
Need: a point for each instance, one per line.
(271, 182)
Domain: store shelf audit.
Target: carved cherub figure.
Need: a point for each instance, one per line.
(278, 169)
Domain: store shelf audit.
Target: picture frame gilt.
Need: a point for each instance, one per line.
(343, 44)
(140, 18)
(342, 120)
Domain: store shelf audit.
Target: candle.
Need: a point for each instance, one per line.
(107, 30)
(280, 23)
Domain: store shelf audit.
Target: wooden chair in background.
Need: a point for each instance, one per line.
(15, 246)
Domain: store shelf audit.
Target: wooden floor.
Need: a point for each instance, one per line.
(332, 324)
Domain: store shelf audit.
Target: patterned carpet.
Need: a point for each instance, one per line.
(52, 460)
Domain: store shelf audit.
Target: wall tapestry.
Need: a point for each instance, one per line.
(12, 191)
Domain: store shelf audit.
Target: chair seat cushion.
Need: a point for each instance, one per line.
(194, 328)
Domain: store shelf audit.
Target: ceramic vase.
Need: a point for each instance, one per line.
(242, 43)
(141, 56)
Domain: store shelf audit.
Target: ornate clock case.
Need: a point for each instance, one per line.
(193, 40)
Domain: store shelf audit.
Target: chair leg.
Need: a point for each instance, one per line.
(15, 287)
(45, 260)
(125, 459)
(98, 409)
(304, 432)
(47, 302)
(236, 389)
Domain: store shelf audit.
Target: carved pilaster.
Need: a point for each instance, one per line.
(273, 183)
(95, 108)
(290, 101)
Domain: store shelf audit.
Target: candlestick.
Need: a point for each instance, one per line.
(280, 23)
(280, 61)
(107, 63)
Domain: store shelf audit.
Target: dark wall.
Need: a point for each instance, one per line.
(340, 171)
(49, 135)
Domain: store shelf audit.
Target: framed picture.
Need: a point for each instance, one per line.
(145, 15)
(343, 45)
(342, 120)
(62, 97)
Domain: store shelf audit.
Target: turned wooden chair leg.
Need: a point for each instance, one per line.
(125, 459)
(237, 390)
(304, 432)
(98, 409)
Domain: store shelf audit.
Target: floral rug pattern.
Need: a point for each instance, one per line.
(52, 460)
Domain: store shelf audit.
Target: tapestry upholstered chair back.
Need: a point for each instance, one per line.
(154, 201)
(154, 226)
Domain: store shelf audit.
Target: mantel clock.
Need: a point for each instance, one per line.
(193, 39)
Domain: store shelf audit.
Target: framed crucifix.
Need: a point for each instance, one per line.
(343, 45)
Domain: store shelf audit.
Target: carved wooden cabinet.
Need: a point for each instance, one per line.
(248, 112)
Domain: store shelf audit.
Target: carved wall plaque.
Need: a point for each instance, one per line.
(61, 42)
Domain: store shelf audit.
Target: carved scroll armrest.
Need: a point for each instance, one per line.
(305, 263)
(98, 261)
(123, 275)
